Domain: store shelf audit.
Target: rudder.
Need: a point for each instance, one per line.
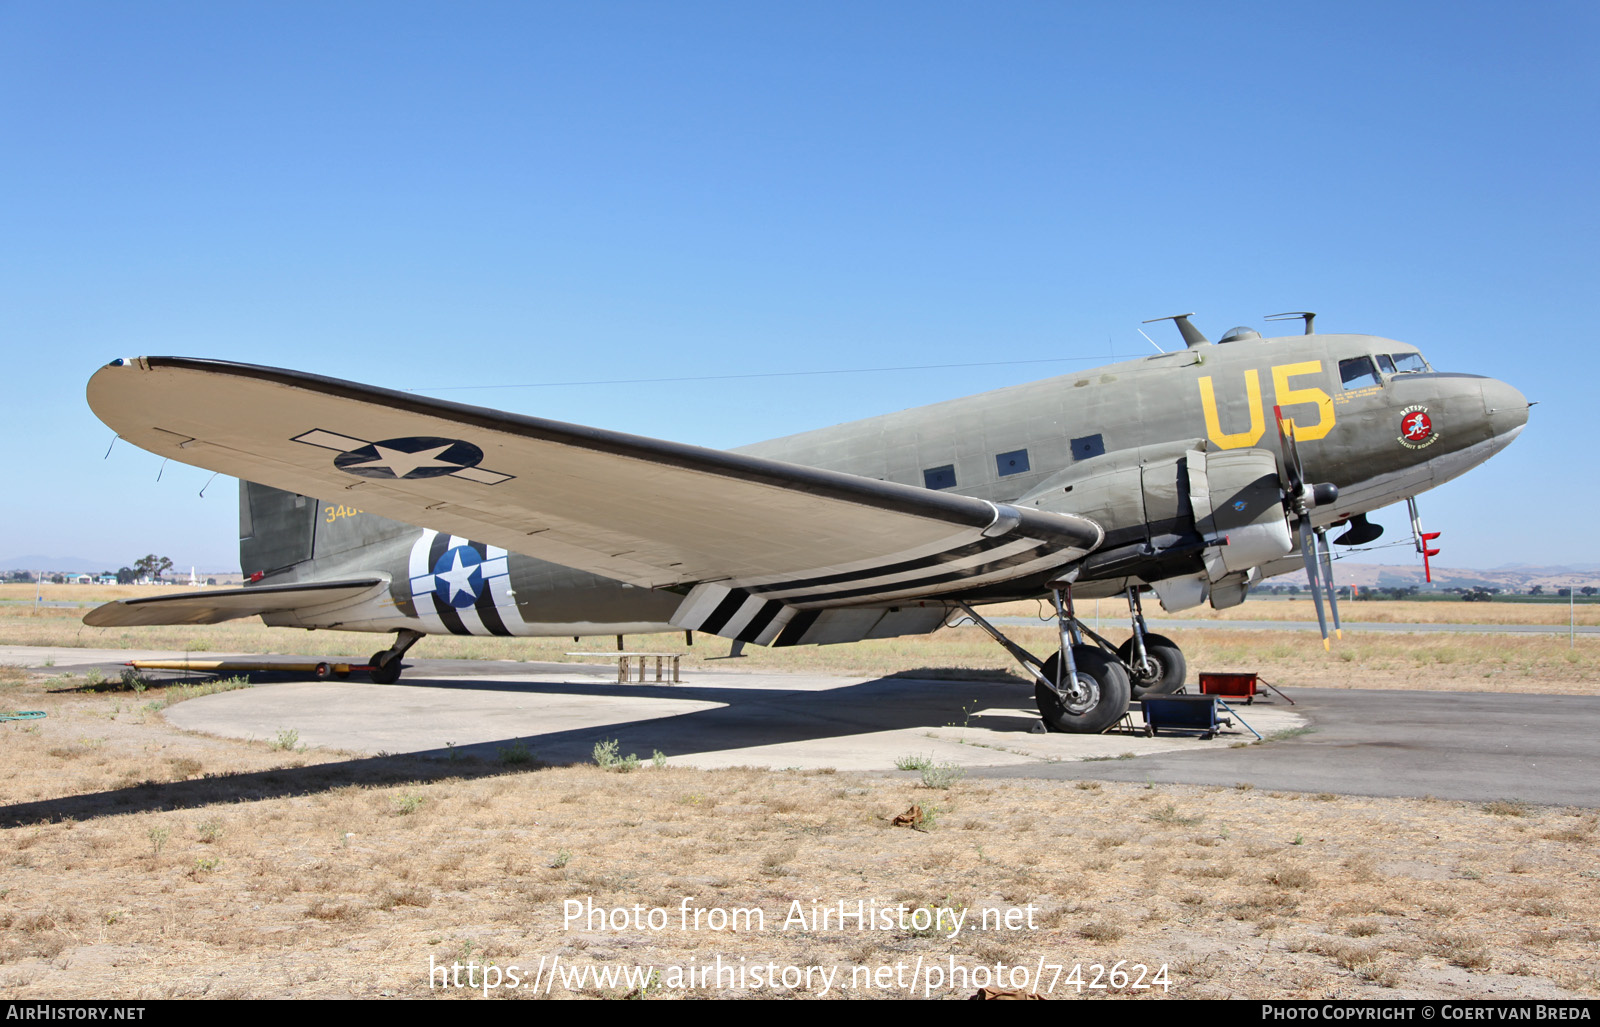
(276, 529)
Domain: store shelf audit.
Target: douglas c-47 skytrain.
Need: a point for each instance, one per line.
(1192, 474)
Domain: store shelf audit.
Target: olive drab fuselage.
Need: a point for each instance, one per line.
(1118, 443)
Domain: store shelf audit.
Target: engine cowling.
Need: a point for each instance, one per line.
(1191, 522)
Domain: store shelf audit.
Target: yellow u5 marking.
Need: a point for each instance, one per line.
(1258, 419)
(1283, 396)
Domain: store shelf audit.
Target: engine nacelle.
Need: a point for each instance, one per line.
(1190, 522)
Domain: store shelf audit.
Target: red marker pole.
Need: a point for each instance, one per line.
(1428, 536)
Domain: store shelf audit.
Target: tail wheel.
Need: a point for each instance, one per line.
(1098, 701)
(323, 672)
(385, 667)
(1164, 668)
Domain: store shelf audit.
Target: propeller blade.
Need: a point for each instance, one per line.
(1294, 452)
(1308, 549)
(1327, 577)
(1289, 473)
(1299, 501)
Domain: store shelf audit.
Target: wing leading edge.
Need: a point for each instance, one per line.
(215, 606)
(751, 541)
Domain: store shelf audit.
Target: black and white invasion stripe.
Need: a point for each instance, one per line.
(779, 611)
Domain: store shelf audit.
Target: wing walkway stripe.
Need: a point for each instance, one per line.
(966, 565)
(968, 573)
(948, 556)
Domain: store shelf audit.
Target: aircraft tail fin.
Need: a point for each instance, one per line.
(277, 529)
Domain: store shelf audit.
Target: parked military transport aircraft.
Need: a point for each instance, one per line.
(1193, 474)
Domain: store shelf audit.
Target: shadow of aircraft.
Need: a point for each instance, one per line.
(743, 718)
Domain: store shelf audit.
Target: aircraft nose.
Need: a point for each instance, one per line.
(1506, 406)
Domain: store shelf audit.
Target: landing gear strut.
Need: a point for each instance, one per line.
(386, 662)
(1080, 689)
(1083, 688)
(1155, 663)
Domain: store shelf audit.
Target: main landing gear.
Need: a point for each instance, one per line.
(386, 662)
(1084, 688)
(1155, 663)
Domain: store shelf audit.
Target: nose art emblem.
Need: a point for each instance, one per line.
(1416, 428)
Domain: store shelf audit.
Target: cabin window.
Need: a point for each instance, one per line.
(1015, 462)
(1088, 446)
(1405, 363)
(1358, 373)
(940, 477)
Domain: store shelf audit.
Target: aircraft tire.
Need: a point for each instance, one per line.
(1171, 667)
(385, 667)
(1109, 694)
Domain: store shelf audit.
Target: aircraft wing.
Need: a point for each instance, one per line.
(216, 605)
(748, 540)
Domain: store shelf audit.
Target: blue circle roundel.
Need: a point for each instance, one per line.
(458, 577)
(411, 458)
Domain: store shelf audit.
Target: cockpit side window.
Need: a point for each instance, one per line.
(1357, 373)
(1405, 362)
(1385, 364)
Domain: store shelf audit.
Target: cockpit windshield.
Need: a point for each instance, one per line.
(1357, 373)
(1408, 362)
(1361, 372)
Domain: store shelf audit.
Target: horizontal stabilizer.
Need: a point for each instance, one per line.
(213, 607)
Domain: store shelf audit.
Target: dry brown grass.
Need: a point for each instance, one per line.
(305, 875)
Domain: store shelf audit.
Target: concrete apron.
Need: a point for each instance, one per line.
(713, 719)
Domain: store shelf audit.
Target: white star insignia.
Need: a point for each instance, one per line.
(401, 464)
(459, 578)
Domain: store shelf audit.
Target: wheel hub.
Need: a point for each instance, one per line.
(1080, 696)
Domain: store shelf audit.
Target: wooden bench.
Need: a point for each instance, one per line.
(625, 665)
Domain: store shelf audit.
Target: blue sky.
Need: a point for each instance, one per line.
(439, 195)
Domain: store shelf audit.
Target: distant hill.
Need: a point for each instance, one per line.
(1514, 578)
(1533, 568)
